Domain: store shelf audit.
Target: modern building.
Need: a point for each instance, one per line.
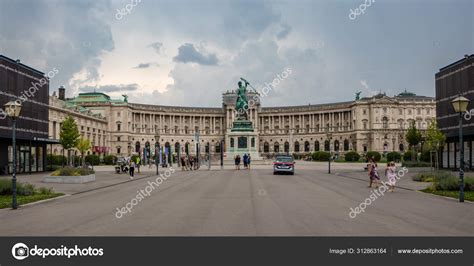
(451, 81)
(91, 126)
(30, 87)
(375, 123)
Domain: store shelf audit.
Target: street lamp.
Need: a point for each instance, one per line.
(460, 106)
(13, 109)
(329, 137)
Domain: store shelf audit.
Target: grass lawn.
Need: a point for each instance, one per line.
(6, 200)
(468, 195)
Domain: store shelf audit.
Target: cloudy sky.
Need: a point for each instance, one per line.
(178, 52)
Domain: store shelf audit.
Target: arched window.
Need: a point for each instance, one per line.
(266, 147)
(208, 147)
(346, 145)
(276, 147)
(297, 146)
(137, 146)
(232, 142)
(316, 146)
(306, 146)
(336, 145)
(186, 148)
(177, 148)
(287, 147)
(401, 147)
(218, 147)
(326, 145)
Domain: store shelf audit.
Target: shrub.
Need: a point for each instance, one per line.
(424, 177)
(415, 164)
(110, 159)
(377, 156)
(447, 183)
(93, 159)
(56, 159)
(71, 171)
(321, 156)
(407, 156)
(394, 156)
(5, 187)
(425, 156)
(352, 156)
(134, 158)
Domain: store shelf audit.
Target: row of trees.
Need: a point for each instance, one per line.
(434, 139)
(70, 138)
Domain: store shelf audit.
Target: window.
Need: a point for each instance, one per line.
(316, 146)
(364, 111)
(400, 111)
(266, 147)
(118, 150)
(118, 127)
(306, 146)
(409, 111)
(276, 147)
(385, 122)
(297, 146)
(428, 111)
(418, 111)
(364, 122)
(118, 114)
(287, 147)
(118, 138)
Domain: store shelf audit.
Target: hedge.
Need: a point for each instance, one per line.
(57, 159)
(377, 156)
(352, 156)
(92, 159)
(110, 159)
(321, 156)
(394, 156)
(407, 156)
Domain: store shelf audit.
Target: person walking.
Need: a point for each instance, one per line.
(137, 163)
(245, 158)
(132, 169)
(248, 162)
(237, 162)
(373, 173)
(391, 176)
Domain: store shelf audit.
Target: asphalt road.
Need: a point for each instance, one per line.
(244, 203)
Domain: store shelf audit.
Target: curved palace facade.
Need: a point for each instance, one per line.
(375, 123)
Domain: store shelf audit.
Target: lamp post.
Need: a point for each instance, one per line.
(157, 151)
(222, 154)
(329, 137)
(13, 109)
(460, 106)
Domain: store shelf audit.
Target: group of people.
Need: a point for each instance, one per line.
(390, 174)
(189, 163)
(246, 160)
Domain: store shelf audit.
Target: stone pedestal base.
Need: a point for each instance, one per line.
(240, 143)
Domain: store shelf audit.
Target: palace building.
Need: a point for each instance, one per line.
(376, 123)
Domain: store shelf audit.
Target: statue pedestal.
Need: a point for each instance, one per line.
(242, 139)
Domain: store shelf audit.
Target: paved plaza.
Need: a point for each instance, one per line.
(240, 203)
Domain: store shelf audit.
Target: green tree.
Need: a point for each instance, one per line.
(83, 145)
(69, 135)
(413, 137)
(435, 139)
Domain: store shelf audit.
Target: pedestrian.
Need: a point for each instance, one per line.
(391, 176)
(132, 169)
(373, 173)
(237, 162)
(191, 162)
(245, 159)
(137, 163)
(183, 163)
(248, 162)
